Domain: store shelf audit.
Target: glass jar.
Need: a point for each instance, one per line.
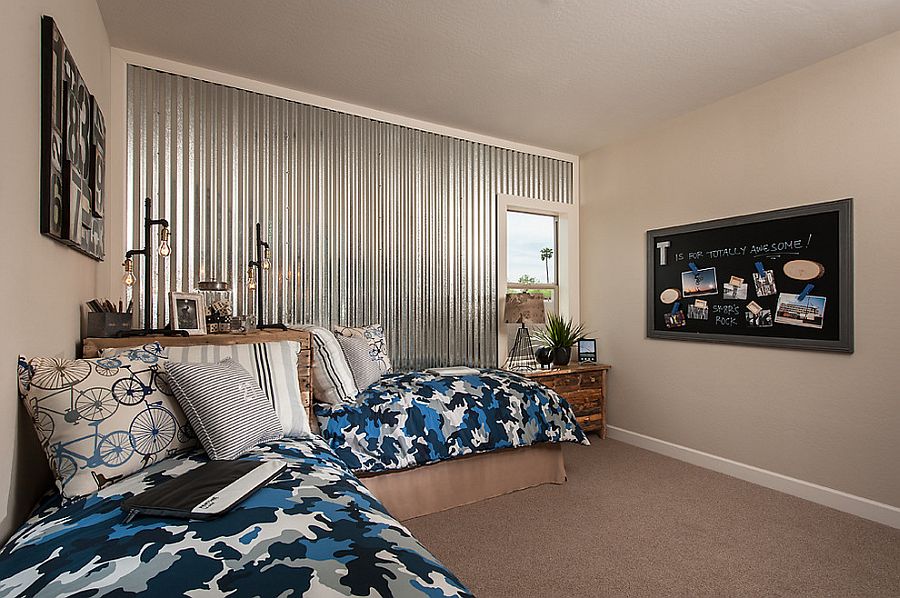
(218, 298)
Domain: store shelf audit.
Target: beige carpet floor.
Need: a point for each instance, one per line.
(630, 522)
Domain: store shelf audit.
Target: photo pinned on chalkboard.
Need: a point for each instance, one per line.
(765, 286)
(759, 319)
(675, 319)
(809, 313)
(730, 291)
(699, 283)
(699, 310)
(764, 281)
(670, 296)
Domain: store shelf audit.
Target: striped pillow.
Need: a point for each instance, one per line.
(273, 364)
(228, 410)
(331, 376)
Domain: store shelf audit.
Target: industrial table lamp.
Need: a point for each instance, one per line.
(164, 249)
(523, 308)
(255, 270)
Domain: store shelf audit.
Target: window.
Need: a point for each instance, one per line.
(525, 227)
(532, 255)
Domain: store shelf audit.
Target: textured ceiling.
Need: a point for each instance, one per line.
(569, 75)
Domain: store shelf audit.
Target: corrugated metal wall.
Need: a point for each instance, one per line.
(368, 221)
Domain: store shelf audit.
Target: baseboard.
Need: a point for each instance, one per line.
(842, 501)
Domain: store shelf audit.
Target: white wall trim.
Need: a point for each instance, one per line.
(842, 501)
(124, 57)
(567, 256)
(118, 213)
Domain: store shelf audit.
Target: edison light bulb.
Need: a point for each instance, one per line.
(128, 278)
(266, 264)
(164, 248)
(251, 280)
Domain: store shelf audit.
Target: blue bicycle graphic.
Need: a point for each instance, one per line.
(150, 432)
(132, 390)
(109, 366)
(92, 404)
(113, 449)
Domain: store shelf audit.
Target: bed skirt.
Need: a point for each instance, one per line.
(440, 486)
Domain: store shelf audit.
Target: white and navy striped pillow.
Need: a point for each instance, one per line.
(227, 409)
(274, 365)
(331, 376)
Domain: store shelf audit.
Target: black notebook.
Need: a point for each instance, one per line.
(205, 492)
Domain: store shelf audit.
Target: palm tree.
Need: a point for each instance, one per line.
(546, 256)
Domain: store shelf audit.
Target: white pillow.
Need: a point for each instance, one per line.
(331, 376)
(274, 365)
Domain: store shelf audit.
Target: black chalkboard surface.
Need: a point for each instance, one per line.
(781, 278)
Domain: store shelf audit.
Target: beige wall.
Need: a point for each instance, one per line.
(826, 132)
(43, 281)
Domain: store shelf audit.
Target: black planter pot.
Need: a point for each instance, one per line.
(562, 355)
(544, 356)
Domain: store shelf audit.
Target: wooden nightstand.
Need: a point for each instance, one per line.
(584, 387)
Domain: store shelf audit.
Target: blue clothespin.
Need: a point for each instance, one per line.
(693, 267)
(760, 269)
(806, 290)
(675, 307)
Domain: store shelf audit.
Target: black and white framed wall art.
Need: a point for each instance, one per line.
(73, 146)
(780, 279)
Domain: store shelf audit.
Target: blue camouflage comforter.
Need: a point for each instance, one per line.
(418, 418)
(314, 531)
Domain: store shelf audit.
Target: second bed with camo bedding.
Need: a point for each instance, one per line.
(417, 418)
(314, 530)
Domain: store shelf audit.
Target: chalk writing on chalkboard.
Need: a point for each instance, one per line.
(752, 273)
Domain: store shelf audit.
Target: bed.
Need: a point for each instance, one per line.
(423, 442)
(314, 530)
(408, 491)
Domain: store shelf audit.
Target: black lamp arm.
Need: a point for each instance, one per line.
(261, 247)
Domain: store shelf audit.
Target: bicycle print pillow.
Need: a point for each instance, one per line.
(102, 419)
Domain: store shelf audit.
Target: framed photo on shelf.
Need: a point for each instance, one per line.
(587, 350)
(188, 312)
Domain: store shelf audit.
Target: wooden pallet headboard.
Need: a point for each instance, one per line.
(93, 346)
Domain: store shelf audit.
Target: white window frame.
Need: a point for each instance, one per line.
(567, 258)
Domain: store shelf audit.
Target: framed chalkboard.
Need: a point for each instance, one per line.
(781, 279)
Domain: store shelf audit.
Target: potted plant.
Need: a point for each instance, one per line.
(559, 336)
